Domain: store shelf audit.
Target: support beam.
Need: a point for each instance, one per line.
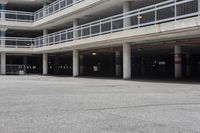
(118, 66)
(199, 5)
(45, 39)
(126, 8)
(3, 35)
(3, 63)
(3, 7)
(45, 64)
(44, 9)
(75, 63)
(75, 1)
(75, 32)
(178, 62)
(126, 61)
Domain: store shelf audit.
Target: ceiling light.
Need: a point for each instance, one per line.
(94, 53)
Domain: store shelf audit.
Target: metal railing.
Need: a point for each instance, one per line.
(17, 42)
(54, 8)
(21, 16)
(18, 16)
(170, 10)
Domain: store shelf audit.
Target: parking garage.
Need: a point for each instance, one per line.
(155, 60)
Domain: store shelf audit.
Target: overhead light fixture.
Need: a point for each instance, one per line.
(94, 53)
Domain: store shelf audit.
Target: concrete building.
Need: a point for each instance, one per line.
(110, 38)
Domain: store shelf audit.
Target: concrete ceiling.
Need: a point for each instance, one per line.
(26, 5)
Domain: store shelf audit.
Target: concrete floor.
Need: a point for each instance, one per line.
(37, 104)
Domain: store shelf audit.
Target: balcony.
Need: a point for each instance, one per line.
(17, 42)
(20, 16)
(171, 10)
(168, 11)
(54, 8)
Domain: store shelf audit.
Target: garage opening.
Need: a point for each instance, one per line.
(98, 64)
(23, 64)
(60, 64)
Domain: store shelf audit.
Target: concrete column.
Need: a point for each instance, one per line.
(126, 61)
(187, 65)
(25, 63)
(81, 64)
(75, 32)
(118, 66)
(45, 64)
(3, 63)
(178, 62)
(3, 35)
(44, 9)
(75, 63)
(3, 7)
(45, 39)
(199, 5)
(126, 8)
(74, 1)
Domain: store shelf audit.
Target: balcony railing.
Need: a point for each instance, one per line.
(18, 16)
(167, 11)
(17, 42)
(54, 8)
(50, 9)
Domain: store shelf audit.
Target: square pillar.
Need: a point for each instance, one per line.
(45, 64)
(3, 8)
(2, 37)
(44, 10)
(3, 63)
(199, 6)
(45, 37)
(126, 8)
(126, 61)
(75, 63)
(75, 1)
(177, 62)
(75, 31)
